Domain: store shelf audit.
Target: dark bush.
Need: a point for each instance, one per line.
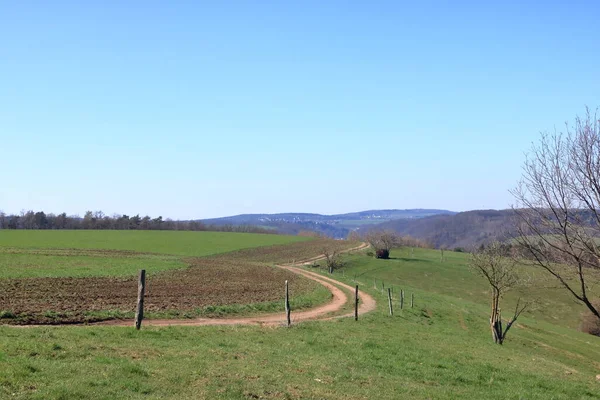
(385, 254)
(370, 254)
(6, 314)
(459, 250)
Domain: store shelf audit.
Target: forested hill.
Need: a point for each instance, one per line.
(465, 229)
(337, 225)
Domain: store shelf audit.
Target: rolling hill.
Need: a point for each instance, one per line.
(465, 229)
(337, 225)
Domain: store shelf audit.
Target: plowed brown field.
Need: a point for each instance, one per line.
(235, 278)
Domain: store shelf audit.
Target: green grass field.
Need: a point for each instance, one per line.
(440, 349)
(181, 243)
(423, 270)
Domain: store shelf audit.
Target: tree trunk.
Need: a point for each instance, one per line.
(496, 319)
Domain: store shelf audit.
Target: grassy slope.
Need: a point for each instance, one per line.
(439, 349)
(165, 242)
(423, 270)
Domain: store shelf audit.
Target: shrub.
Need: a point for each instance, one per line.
(459, 250)
(383, 242)
(370, 253)
(382, 253)
(6, 314)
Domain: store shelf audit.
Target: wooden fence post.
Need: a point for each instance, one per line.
(287, 304)
(390, 301)
(401, 299)
(356, 303)
(412, 300)
(139, 313)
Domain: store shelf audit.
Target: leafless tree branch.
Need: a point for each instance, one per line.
(558, 206)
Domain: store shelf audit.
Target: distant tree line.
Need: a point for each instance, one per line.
(98, 220)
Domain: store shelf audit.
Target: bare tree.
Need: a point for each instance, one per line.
(558, 207)
(28, 219)
(333, 259)
(409, 241)
(383, 242)
(354, 236)
(500, 271)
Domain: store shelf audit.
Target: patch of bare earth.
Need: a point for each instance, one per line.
(225, 279)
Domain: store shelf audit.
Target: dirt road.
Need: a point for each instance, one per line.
(339, 299)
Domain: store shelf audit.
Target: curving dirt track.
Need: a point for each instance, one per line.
(340, 298)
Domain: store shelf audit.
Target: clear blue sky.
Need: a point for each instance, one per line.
(197, 109)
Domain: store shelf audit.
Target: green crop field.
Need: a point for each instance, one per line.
(28, 263)
(164, 242)
(115, 253)
(440, 349)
